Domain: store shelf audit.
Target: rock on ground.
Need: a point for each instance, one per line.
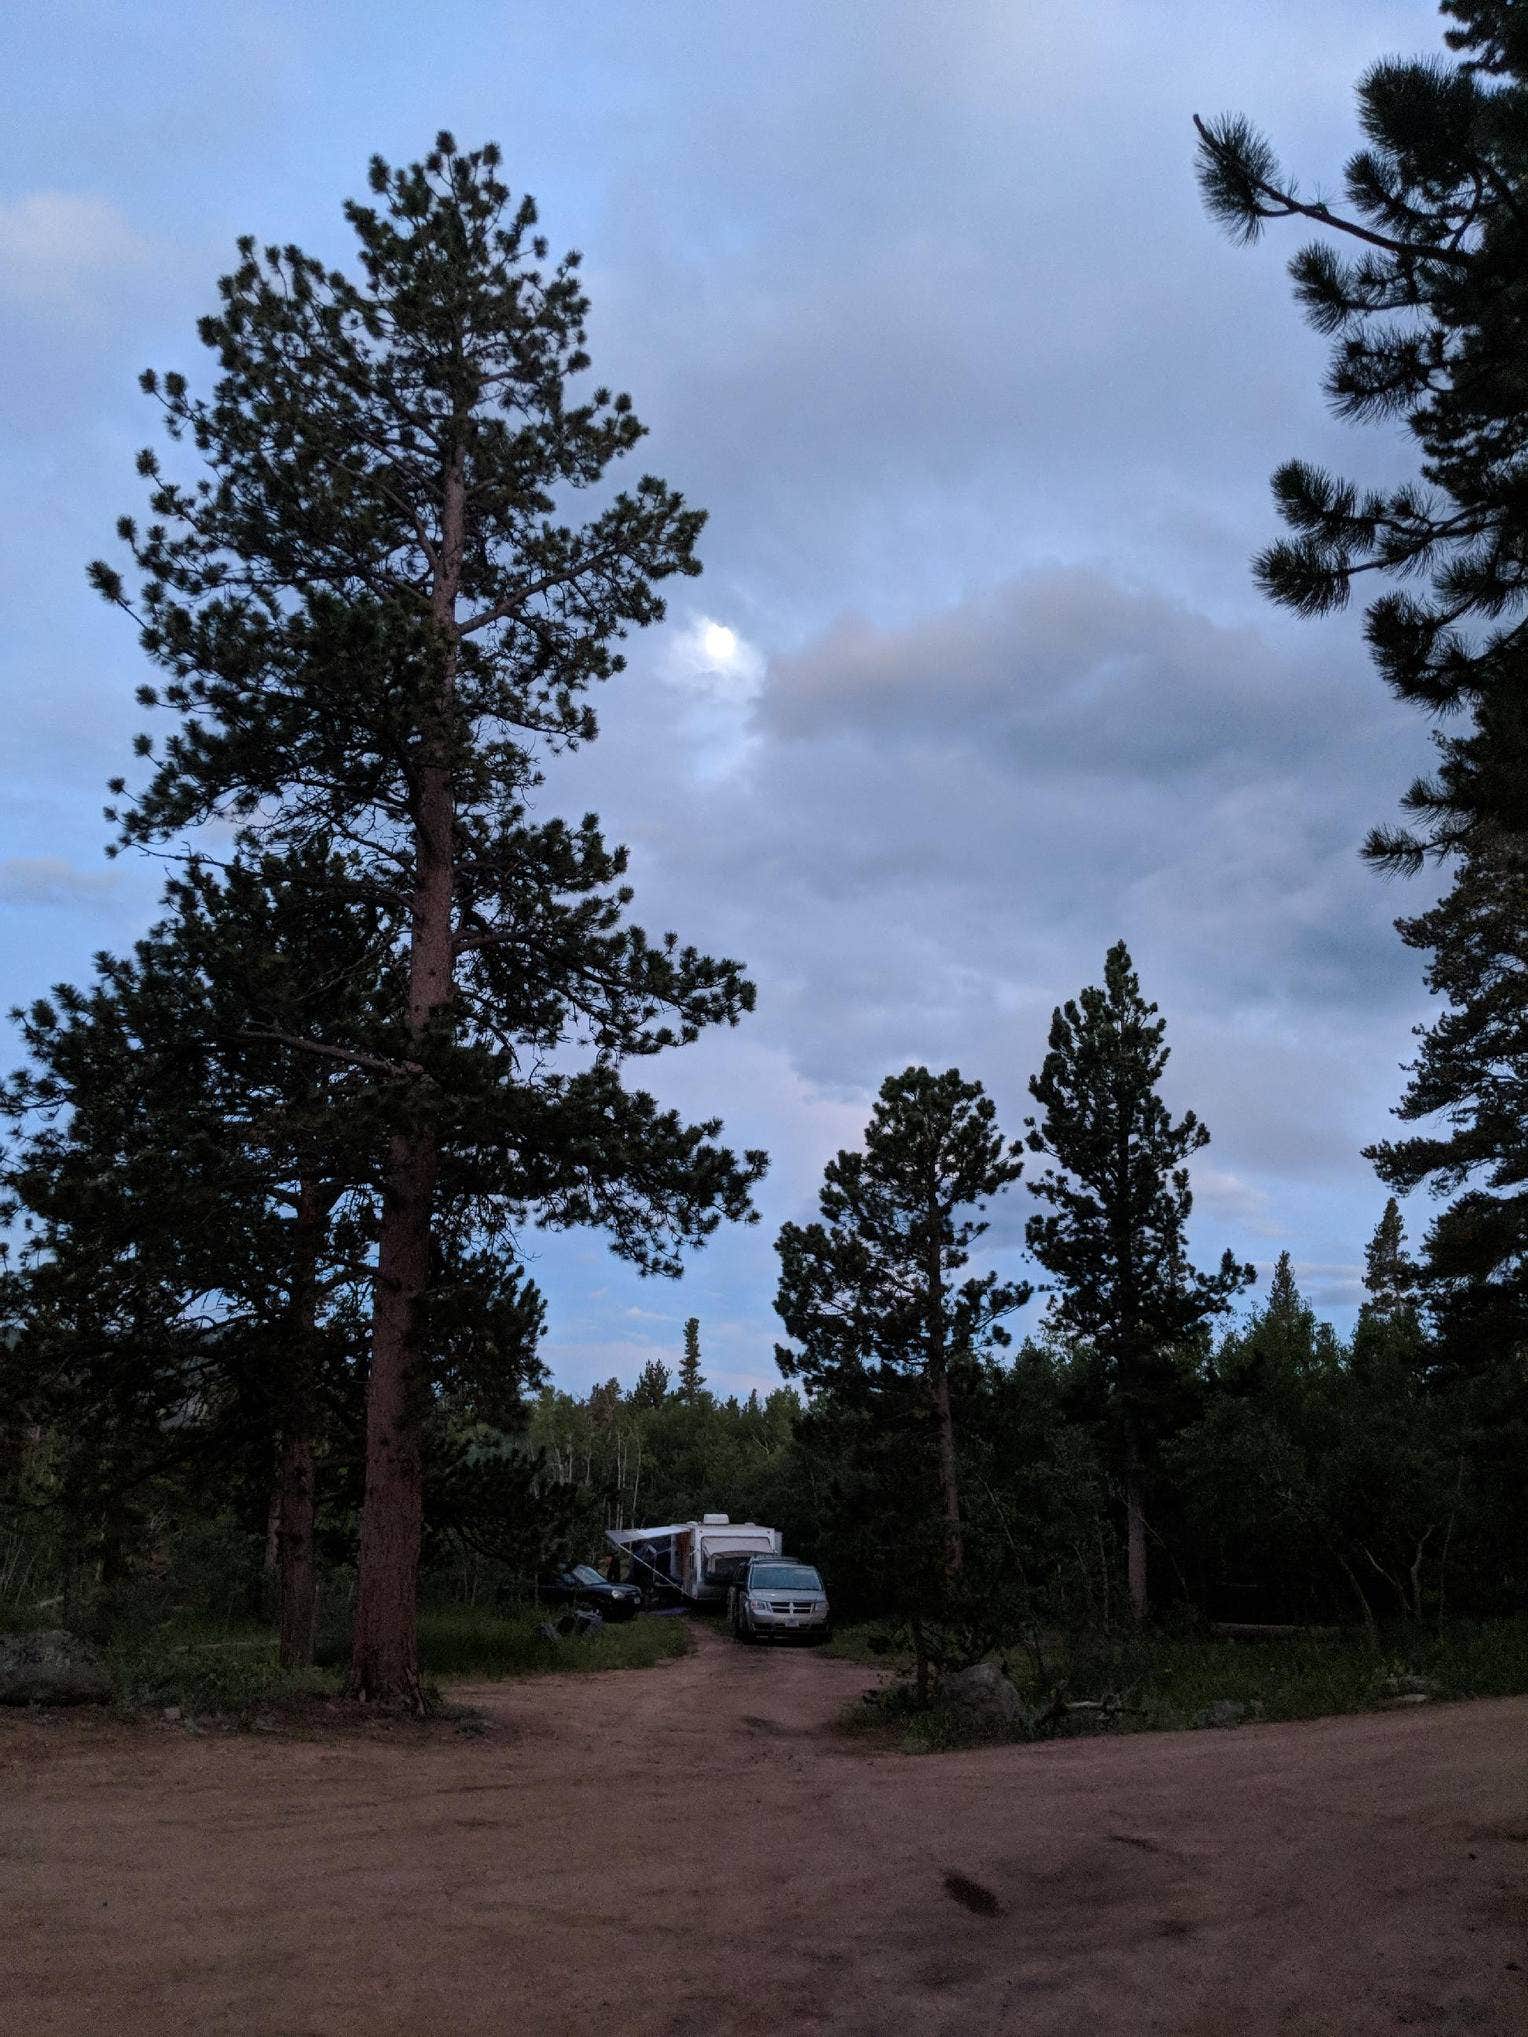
(983, 1694)
(51, 1668)
(1228, 1712)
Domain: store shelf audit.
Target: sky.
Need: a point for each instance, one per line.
(920, 304)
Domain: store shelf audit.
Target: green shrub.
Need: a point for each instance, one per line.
(230, 1671)
(885, 1643)
(1168, 1681)
(472, 1641)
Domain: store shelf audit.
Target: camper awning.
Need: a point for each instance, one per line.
(623, 1538)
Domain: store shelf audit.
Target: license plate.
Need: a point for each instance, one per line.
(793, 1623)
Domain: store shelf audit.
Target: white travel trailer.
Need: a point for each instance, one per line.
(697, 1559)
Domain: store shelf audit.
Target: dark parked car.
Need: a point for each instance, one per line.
(581, 1585)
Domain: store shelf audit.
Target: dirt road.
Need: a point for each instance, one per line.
(688, 1850)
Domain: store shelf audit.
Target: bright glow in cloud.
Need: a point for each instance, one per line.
(722, 674)
(712, 659)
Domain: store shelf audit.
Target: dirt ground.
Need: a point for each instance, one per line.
(689, 1849)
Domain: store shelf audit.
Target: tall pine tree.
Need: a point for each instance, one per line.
(1389, 1274)
(1117, 1202)
(1418, 278)
(1468, 1094)
(168, 1151)
(651, 1389)
(870, 1293)
(371, 607)
(691, 1382)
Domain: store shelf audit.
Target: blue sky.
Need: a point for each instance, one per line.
(920, 304)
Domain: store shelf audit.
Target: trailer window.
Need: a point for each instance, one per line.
(728, 1562)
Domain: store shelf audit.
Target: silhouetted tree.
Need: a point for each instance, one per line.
(175, 1164)
(869, 1294)
(691, 1384)
(1117, 1201)
(1425, 316)
(651, 1389)
(370, 610)
(1389, 1274)
(1467, 1087)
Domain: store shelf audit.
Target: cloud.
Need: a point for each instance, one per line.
(1067, 667)
(1229, 1197)
(52, 880)
(717, 674)
(714, 661)
(982, 408)
(57, 246)
(940, 827)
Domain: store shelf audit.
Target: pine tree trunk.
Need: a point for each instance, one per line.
(299, 1582)
(384, 1664)
(954, 1550)
(295, 1482)
(939, 1384)
(1135, 1525)
(270, 1585)
(294, 1490)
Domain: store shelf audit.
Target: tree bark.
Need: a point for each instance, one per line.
(954, 1546)
(295, 1486)
(269, 1589)
(1135, 1525)
(1366, 1611)
(384, 1665)
(299, 1581)
(939, 1386)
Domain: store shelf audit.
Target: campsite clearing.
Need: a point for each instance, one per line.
(693, 1849)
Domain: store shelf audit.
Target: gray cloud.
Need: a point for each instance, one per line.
(1069, 669)
(930, 834)
(53, 880)
(920, 303)
(58, 247)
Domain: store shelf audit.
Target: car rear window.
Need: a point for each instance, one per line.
(783, 1577)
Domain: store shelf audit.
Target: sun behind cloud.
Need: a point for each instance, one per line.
(721, 675)
(719, 643)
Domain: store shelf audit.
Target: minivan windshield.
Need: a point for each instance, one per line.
(783, 1577)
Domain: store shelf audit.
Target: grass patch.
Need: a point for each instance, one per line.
(877, 1643)
(230, 1671)
(1168, 1683)
(1321, 1675)
(471, 1641)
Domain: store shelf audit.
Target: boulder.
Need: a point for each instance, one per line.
(983, 1695)
(1225, 1712)
(1410, 1689)
(51, 1668)
(578, 1625)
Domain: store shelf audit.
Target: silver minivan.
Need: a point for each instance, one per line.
(778, 1598)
